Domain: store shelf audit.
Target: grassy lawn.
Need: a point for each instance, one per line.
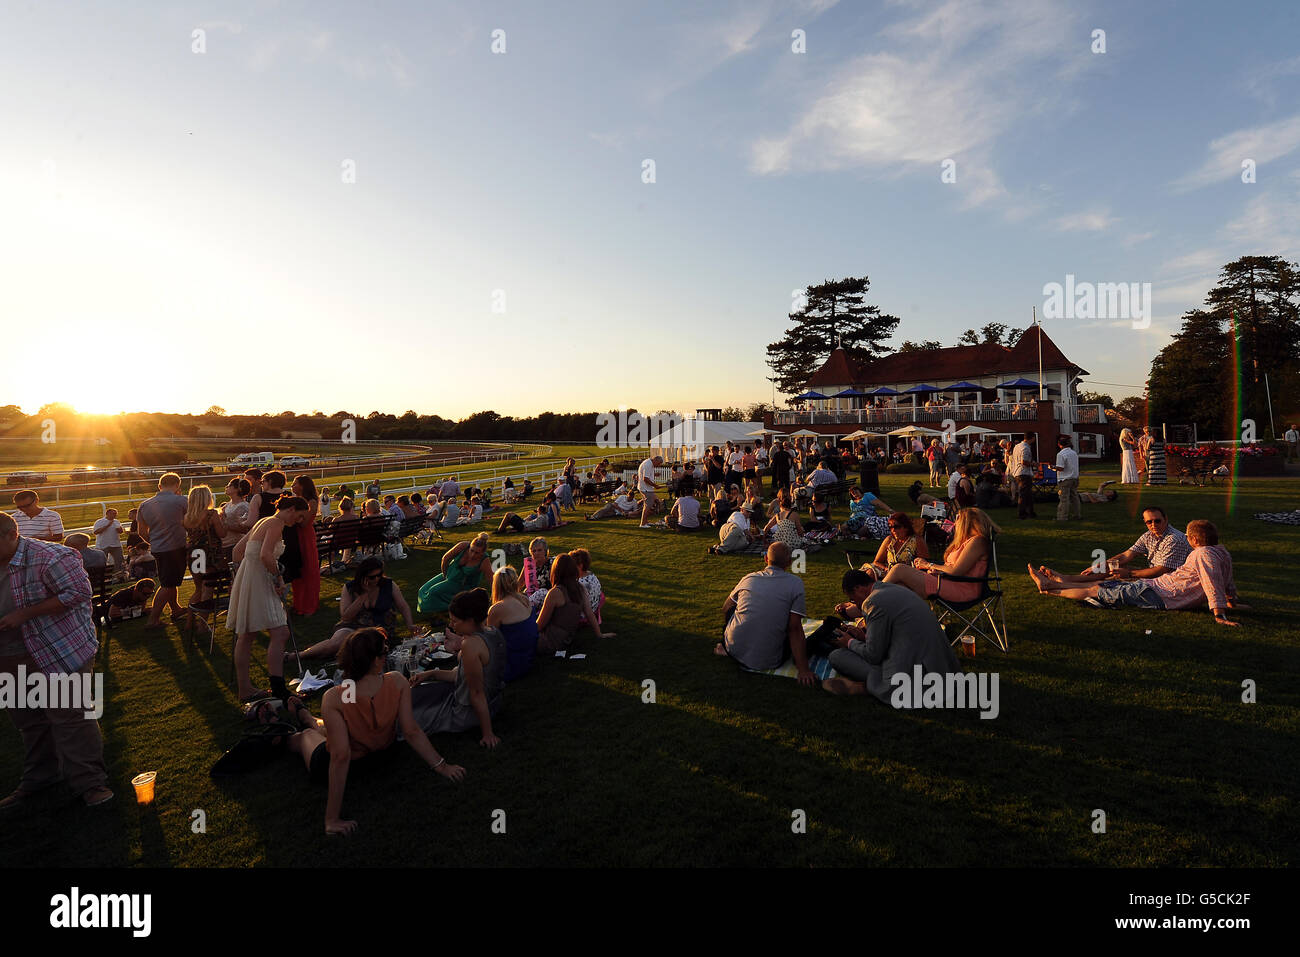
(1094, 714)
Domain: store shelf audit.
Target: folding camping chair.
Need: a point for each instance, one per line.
(857, 557)
(982, 614)
(207, 613)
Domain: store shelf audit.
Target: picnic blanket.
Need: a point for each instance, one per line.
(821, 667)
(1280, 518)
(760, 548)
(817, 664)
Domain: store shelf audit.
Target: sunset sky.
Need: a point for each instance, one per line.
(177, 230)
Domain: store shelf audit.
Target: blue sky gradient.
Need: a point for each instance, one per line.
(185, 214)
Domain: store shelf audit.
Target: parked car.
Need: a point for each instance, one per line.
(294, 462)
(25, 478)
(246, 460)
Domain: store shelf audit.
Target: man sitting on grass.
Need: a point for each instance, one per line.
(1206, 576)
(1164, 547)
(894, 631)
(764, 618)
(685, 516)
(623, 506)
(740, 531)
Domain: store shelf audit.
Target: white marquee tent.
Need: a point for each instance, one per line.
(687, 441)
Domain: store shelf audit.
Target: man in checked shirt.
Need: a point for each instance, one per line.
(45, 626)
(1164, 547)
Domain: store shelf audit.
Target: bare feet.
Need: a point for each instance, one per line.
(720, 650)
(844, 686)
(1048, 573)
(1040, 579)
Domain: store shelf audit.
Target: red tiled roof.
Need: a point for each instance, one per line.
(838, 369)
(942, 367)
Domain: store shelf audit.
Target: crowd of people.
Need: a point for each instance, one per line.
(501, 621)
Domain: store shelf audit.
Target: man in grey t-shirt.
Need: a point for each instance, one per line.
(161, 521)
(765, 618)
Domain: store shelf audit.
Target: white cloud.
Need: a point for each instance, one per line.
(1197, 261)
(1270, 223)
(1090, 221)
(955, 79)
(1262, 144)
(699, 47)
(1262, 80)
(1131, 240)
(400, 67)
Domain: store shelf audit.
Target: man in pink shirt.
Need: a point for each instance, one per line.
(1204, 578)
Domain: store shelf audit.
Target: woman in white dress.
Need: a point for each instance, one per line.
(255, 603)
(1128, 458)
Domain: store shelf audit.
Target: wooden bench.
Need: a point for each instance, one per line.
(598, 491)
(365, 533)
(834, 492)
(414, 528)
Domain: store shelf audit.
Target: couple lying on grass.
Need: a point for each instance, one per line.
(1186, 572)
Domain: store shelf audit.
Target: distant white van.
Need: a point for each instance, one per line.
(247, 460)
(294, 462)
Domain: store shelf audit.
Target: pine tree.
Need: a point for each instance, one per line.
(1192, 377)
(834, 315)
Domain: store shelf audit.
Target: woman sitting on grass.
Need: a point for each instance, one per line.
(370, 600)
(464, 565)
(563, 608)
(513, 616)
(140, 561)
(785, 526)
(819, 514)
(359, 721)
(967, 556)
(443, 700)
(863, 514)
(536, 573)
(901, 547)
(590, 586)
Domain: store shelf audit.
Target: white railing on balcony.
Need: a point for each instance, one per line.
(1088, 415)
(906, 415)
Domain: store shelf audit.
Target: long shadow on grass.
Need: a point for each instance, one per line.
(1062, 778)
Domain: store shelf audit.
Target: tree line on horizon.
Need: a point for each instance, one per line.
(486, 425)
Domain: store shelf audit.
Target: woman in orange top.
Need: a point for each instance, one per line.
(968, 555)
(361, 718)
